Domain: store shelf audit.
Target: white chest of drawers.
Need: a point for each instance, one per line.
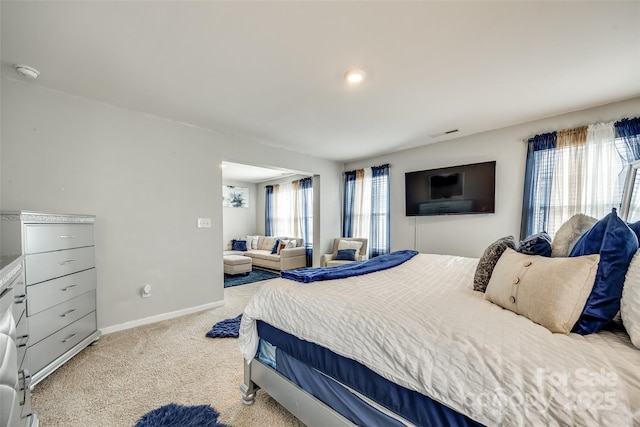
(60, 277)
(15, 393)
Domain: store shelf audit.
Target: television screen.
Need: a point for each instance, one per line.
(464, 189)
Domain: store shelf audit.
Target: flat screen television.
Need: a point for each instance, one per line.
(464, 189)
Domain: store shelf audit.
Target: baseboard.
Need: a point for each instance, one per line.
(160, 317)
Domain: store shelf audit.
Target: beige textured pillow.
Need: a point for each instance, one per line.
(549, 291)
(350, 244)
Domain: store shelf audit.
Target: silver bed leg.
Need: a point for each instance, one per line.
(249, 388)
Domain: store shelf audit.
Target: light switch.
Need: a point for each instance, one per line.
(204, 222)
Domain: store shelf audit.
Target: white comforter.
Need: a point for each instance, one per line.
(421, 325)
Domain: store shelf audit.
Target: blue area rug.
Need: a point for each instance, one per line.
(174, 415)
(228, 328)
(254, 276)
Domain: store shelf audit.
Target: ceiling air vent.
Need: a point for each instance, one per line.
(436, 135)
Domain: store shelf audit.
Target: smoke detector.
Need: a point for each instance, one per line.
(26, 71)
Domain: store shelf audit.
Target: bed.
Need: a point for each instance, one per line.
(416, 345)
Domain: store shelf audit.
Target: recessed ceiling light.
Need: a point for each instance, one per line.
(26, 71)
(354, 76)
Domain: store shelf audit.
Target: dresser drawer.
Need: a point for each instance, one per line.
(22, 338)
(20, 297)
(41, 267)
(7, 322)
(57, 317)
(52, 292)
(54, 346)
(54, 237)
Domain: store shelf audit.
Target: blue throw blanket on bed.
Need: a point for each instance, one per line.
(358, 268)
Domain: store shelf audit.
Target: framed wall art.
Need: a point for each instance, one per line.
(235, 197)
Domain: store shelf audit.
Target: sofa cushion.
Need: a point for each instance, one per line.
(265, 243)
(350, 244)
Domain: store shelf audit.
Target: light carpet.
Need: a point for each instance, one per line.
(129, 373)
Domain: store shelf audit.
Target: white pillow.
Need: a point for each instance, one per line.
(350, 244)
(252, 242)
(630, 302)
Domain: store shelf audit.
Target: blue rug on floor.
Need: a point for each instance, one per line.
(254, 276)
(228, 328)
(174, 415)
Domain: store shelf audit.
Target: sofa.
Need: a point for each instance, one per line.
(259, 248)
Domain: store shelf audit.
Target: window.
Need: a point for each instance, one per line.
(366, 207)
(581, 170)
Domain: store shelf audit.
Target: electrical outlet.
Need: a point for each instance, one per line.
(145, 291)
(204, 222)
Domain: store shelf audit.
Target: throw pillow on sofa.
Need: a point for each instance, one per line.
(276, 246)
(346, 255)
(239, 245)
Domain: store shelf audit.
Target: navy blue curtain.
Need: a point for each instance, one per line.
(349, 195)
(628, 139)
(379, 241)
(537, 184)
(268, 210)
(306, 192)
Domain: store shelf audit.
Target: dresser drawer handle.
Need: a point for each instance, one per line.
(66, 313)
(20, 299)
(69, 261)
(68, 287)
(24, 340)
(25, 382)
(66, 237)
(69, 338)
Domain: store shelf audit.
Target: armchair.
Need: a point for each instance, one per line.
(329, 260)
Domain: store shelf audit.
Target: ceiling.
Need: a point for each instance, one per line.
(273, 71)
(254, 174)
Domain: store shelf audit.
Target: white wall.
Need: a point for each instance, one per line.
(239, 222)
(469, 235)
(147, 180)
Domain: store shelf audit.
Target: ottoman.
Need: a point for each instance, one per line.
(236, 264)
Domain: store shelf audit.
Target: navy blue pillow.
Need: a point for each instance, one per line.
(238, 245)
(274, 249)
(635, 227)
(616, 243)
(346, 255)
(536, 244)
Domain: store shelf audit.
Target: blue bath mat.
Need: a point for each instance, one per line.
(174, 415)
(228, 328)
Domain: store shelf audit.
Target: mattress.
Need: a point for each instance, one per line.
(420, 325)
(351, 389)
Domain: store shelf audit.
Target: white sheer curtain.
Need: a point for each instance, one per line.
(289, 212)
(362, 204)
(585, 174)
(283, 197)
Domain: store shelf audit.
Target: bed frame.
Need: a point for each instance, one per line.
(308, 409)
